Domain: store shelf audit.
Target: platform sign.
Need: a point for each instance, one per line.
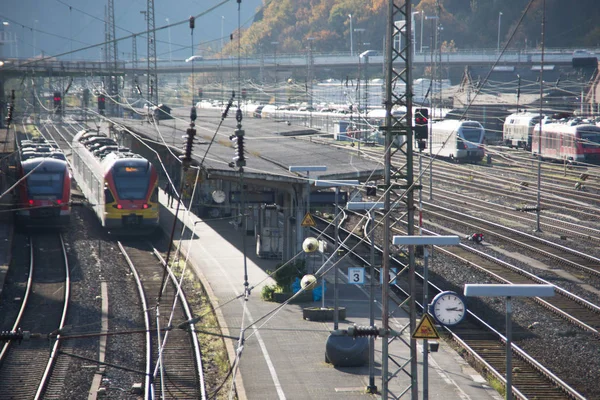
(328, 197)
(252, 197)
(356, 276)
(426, 329)
(308, 221)
(392, 278)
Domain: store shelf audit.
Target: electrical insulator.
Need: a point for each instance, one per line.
(17, 335)
(187, 158)
(359, 331)
(238, 143)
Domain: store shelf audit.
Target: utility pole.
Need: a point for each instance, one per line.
(309, 75)
(403, 181)
(112, 54)
(152, 76)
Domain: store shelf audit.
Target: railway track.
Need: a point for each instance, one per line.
(480, 340)
(174, 360)
(564, 255)
(25, 367)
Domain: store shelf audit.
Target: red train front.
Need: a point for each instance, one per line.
(44, 193)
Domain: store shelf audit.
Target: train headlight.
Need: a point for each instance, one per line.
(30, 202)
(58, 201)
(119, 206)
(145, 206)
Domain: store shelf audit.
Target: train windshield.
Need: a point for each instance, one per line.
(589, 138)
(471, 134)
(131, 181)
(45, 185)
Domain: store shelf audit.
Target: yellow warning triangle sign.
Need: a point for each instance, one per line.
(426, 329)
(308, 220)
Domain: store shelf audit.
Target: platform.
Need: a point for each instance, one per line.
(284, 355)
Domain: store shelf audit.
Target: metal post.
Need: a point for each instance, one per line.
(323, 278)
(539, 155)
(425, 282)
(422, 18)
(372, 388)
(499, 21)
(508, 395)
(425, 341)
(335, 266)
(351, 44)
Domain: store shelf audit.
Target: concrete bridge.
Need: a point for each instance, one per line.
(282, 62)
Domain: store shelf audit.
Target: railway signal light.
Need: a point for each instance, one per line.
(244, 94)
(421, 128)
(200, 93)
(57, 102)
(101, 104)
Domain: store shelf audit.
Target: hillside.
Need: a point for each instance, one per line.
(285, 25)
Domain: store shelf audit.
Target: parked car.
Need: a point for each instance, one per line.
(258, 112)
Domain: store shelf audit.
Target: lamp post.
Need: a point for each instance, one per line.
(351, 45)
(499, 21)
(413, 36)
(508, 291)
(170, 48)
(425, 241)
(365, 55)
(221, 72)
(371, 207)
(275, 62)
(337, 184)
(422, 20)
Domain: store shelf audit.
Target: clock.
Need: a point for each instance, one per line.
(448, 308)
(218, 196)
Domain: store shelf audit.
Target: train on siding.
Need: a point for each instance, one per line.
(43, 195)
(518, 129)
(459, 141)
(120, 186)
(573, 140)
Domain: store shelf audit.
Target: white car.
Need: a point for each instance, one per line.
(193, 58)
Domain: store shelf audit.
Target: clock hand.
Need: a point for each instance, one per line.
(454, 309)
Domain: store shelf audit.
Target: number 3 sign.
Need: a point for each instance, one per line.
(356, 276)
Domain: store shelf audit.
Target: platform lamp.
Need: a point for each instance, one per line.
(425, 241)
(508, 291)
(370, 207)
(308, 169)
(337, 184)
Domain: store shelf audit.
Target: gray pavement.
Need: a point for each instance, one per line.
(283, 356)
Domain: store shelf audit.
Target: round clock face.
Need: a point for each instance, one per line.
(448, 308)
(218, 196)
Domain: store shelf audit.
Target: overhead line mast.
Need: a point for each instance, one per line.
(398, 127)
(152, 76)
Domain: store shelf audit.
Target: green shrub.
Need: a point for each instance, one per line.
(285, 276)
(267, 292)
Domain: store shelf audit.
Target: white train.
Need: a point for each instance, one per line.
(457, 140)
(518, 129)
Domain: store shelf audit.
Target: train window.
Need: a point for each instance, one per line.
(108, 197)
(45, 183)
(590, 139)
(471, 135)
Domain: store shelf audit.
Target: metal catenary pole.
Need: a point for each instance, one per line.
(403, 179)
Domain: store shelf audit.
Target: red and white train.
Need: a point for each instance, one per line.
(44, 189)
(567, 141)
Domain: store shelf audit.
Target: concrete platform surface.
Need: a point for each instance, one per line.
(283, 356)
